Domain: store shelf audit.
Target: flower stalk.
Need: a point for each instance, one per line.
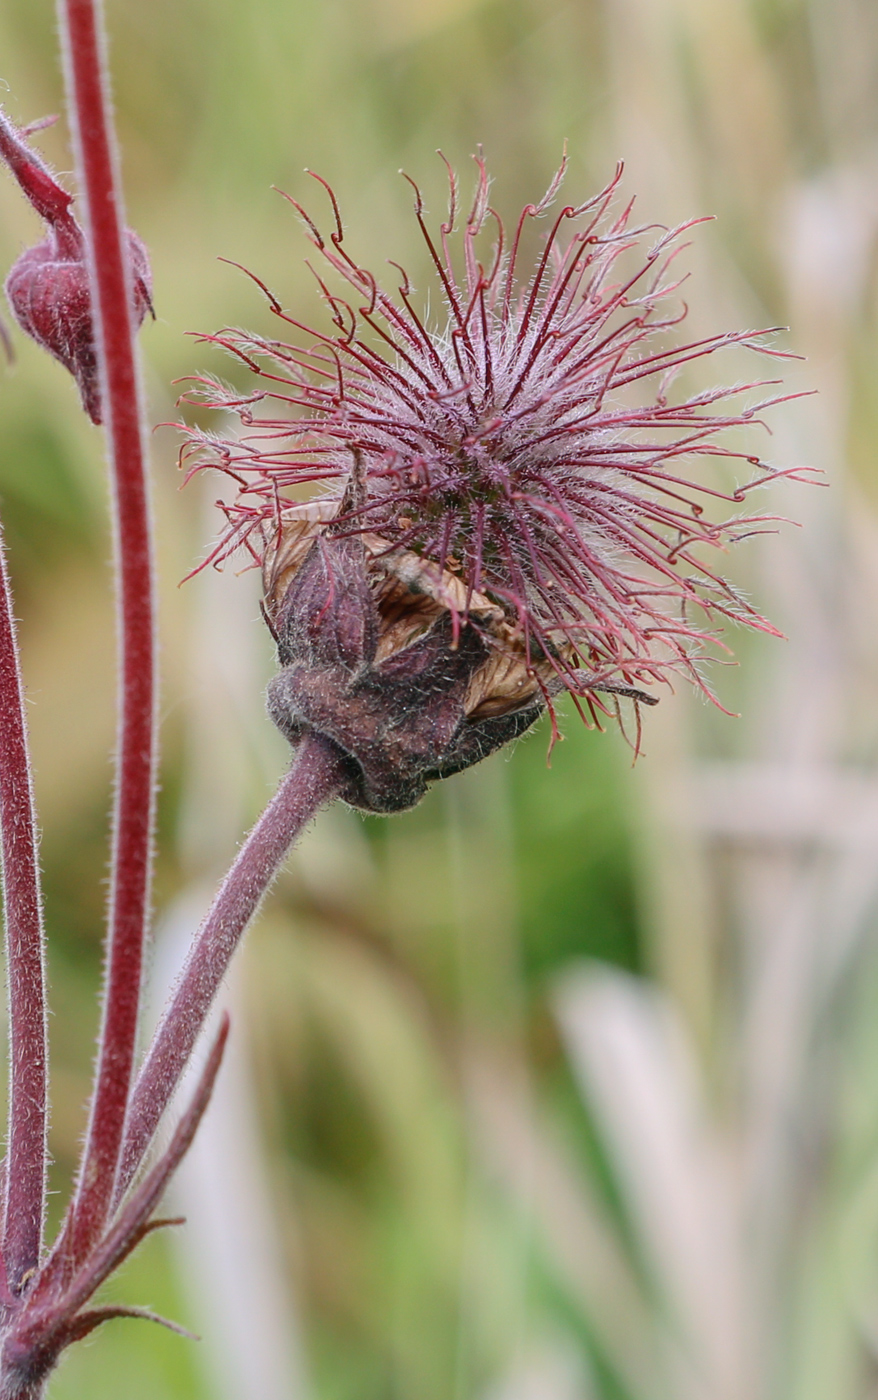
(112, 282)
(25, 1176)
(315, 778)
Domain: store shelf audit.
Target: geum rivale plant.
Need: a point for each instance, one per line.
(506, 514)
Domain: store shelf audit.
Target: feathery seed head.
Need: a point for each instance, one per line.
(523, 465)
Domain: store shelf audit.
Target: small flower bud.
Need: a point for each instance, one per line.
(50, 298)
(48, 288)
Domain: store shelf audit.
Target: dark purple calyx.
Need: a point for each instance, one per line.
(402, 721)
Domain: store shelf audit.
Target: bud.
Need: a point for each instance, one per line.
(48, 288)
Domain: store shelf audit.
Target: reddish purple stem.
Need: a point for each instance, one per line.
(313, 780)
(115, 326)
(24, 1205)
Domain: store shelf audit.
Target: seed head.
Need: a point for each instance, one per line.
(518, 460)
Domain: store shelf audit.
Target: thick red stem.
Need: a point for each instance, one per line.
(115, 325)
(25, 1194)
(313, 780)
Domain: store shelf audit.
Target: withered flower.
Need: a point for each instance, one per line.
(507, 512)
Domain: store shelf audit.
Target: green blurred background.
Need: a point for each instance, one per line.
(563, 1086)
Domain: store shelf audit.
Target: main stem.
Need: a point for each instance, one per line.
(25, 1194)
(314, 779)
(121, 408)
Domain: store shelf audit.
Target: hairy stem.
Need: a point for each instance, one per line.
(25, 1194)
(130, 875)
(313, 780)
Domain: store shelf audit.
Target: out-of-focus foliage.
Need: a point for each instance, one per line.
(460, 1163)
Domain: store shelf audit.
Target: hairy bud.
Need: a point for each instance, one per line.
(48, 288)
(50, 297)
